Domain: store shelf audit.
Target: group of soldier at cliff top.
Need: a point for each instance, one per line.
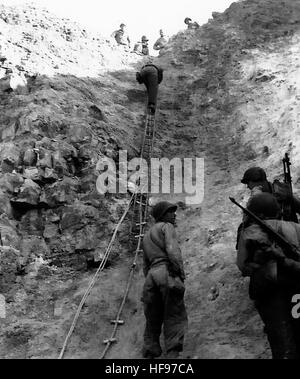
(141, 47)
(268, 251)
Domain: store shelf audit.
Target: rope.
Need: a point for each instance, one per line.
(129, 282)
(93, 281)
(142, 218)
(108, 250)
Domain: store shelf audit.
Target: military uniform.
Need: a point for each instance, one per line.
(151, 76)
(273, 278)
(121, 37)
(160, 43)
(163, 291)
(141, 47)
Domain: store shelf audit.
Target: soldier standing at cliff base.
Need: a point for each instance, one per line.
(274, 274)
(256, 180)
(163, 291)
(151, 76)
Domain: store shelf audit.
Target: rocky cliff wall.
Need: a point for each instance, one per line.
(230, 95)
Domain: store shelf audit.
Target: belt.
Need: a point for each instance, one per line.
(159, 262)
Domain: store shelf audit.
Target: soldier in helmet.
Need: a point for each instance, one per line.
(190, 24)
(163, 291)
(256, 180)
(141, 47)
(274, 278)
(151, 76)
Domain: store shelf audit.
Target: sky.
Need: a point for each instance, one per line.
(141, 17)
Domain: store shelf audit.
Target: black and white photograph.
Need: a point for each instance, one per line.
(150, 182)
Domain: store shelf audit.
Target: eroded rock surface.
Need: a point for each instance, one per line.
(230, 95)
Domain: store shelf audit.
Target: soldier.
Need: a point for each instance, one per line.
(161, 42)
(190, 24)
(151, 76)
(163, 291)
(274, 278)
(141, 47)
(121, 36)
(256, 180)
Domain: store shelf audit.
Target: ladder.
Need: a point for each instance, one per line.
(141, 198)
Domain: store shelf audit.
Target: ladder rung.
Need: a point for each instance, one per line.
(110, 340)
(119, 322)
(141, 223)
(138, 202)
(139, 235)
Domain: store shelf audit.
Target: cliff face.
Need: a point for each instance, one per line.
(67, 98)
(230, 95)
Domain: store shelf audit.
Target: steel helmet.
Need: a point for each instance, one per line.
(264, 204)
(161, 208)
(254, 174)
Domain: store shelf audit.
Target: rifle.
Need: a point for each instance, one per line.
(288, 180)
(289, 249)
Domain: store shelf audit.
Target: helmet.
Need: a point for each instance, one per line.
(187, 19)
(264, 204)
(254, 174)
(161, 208)
(121, 26)
(144, 39)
